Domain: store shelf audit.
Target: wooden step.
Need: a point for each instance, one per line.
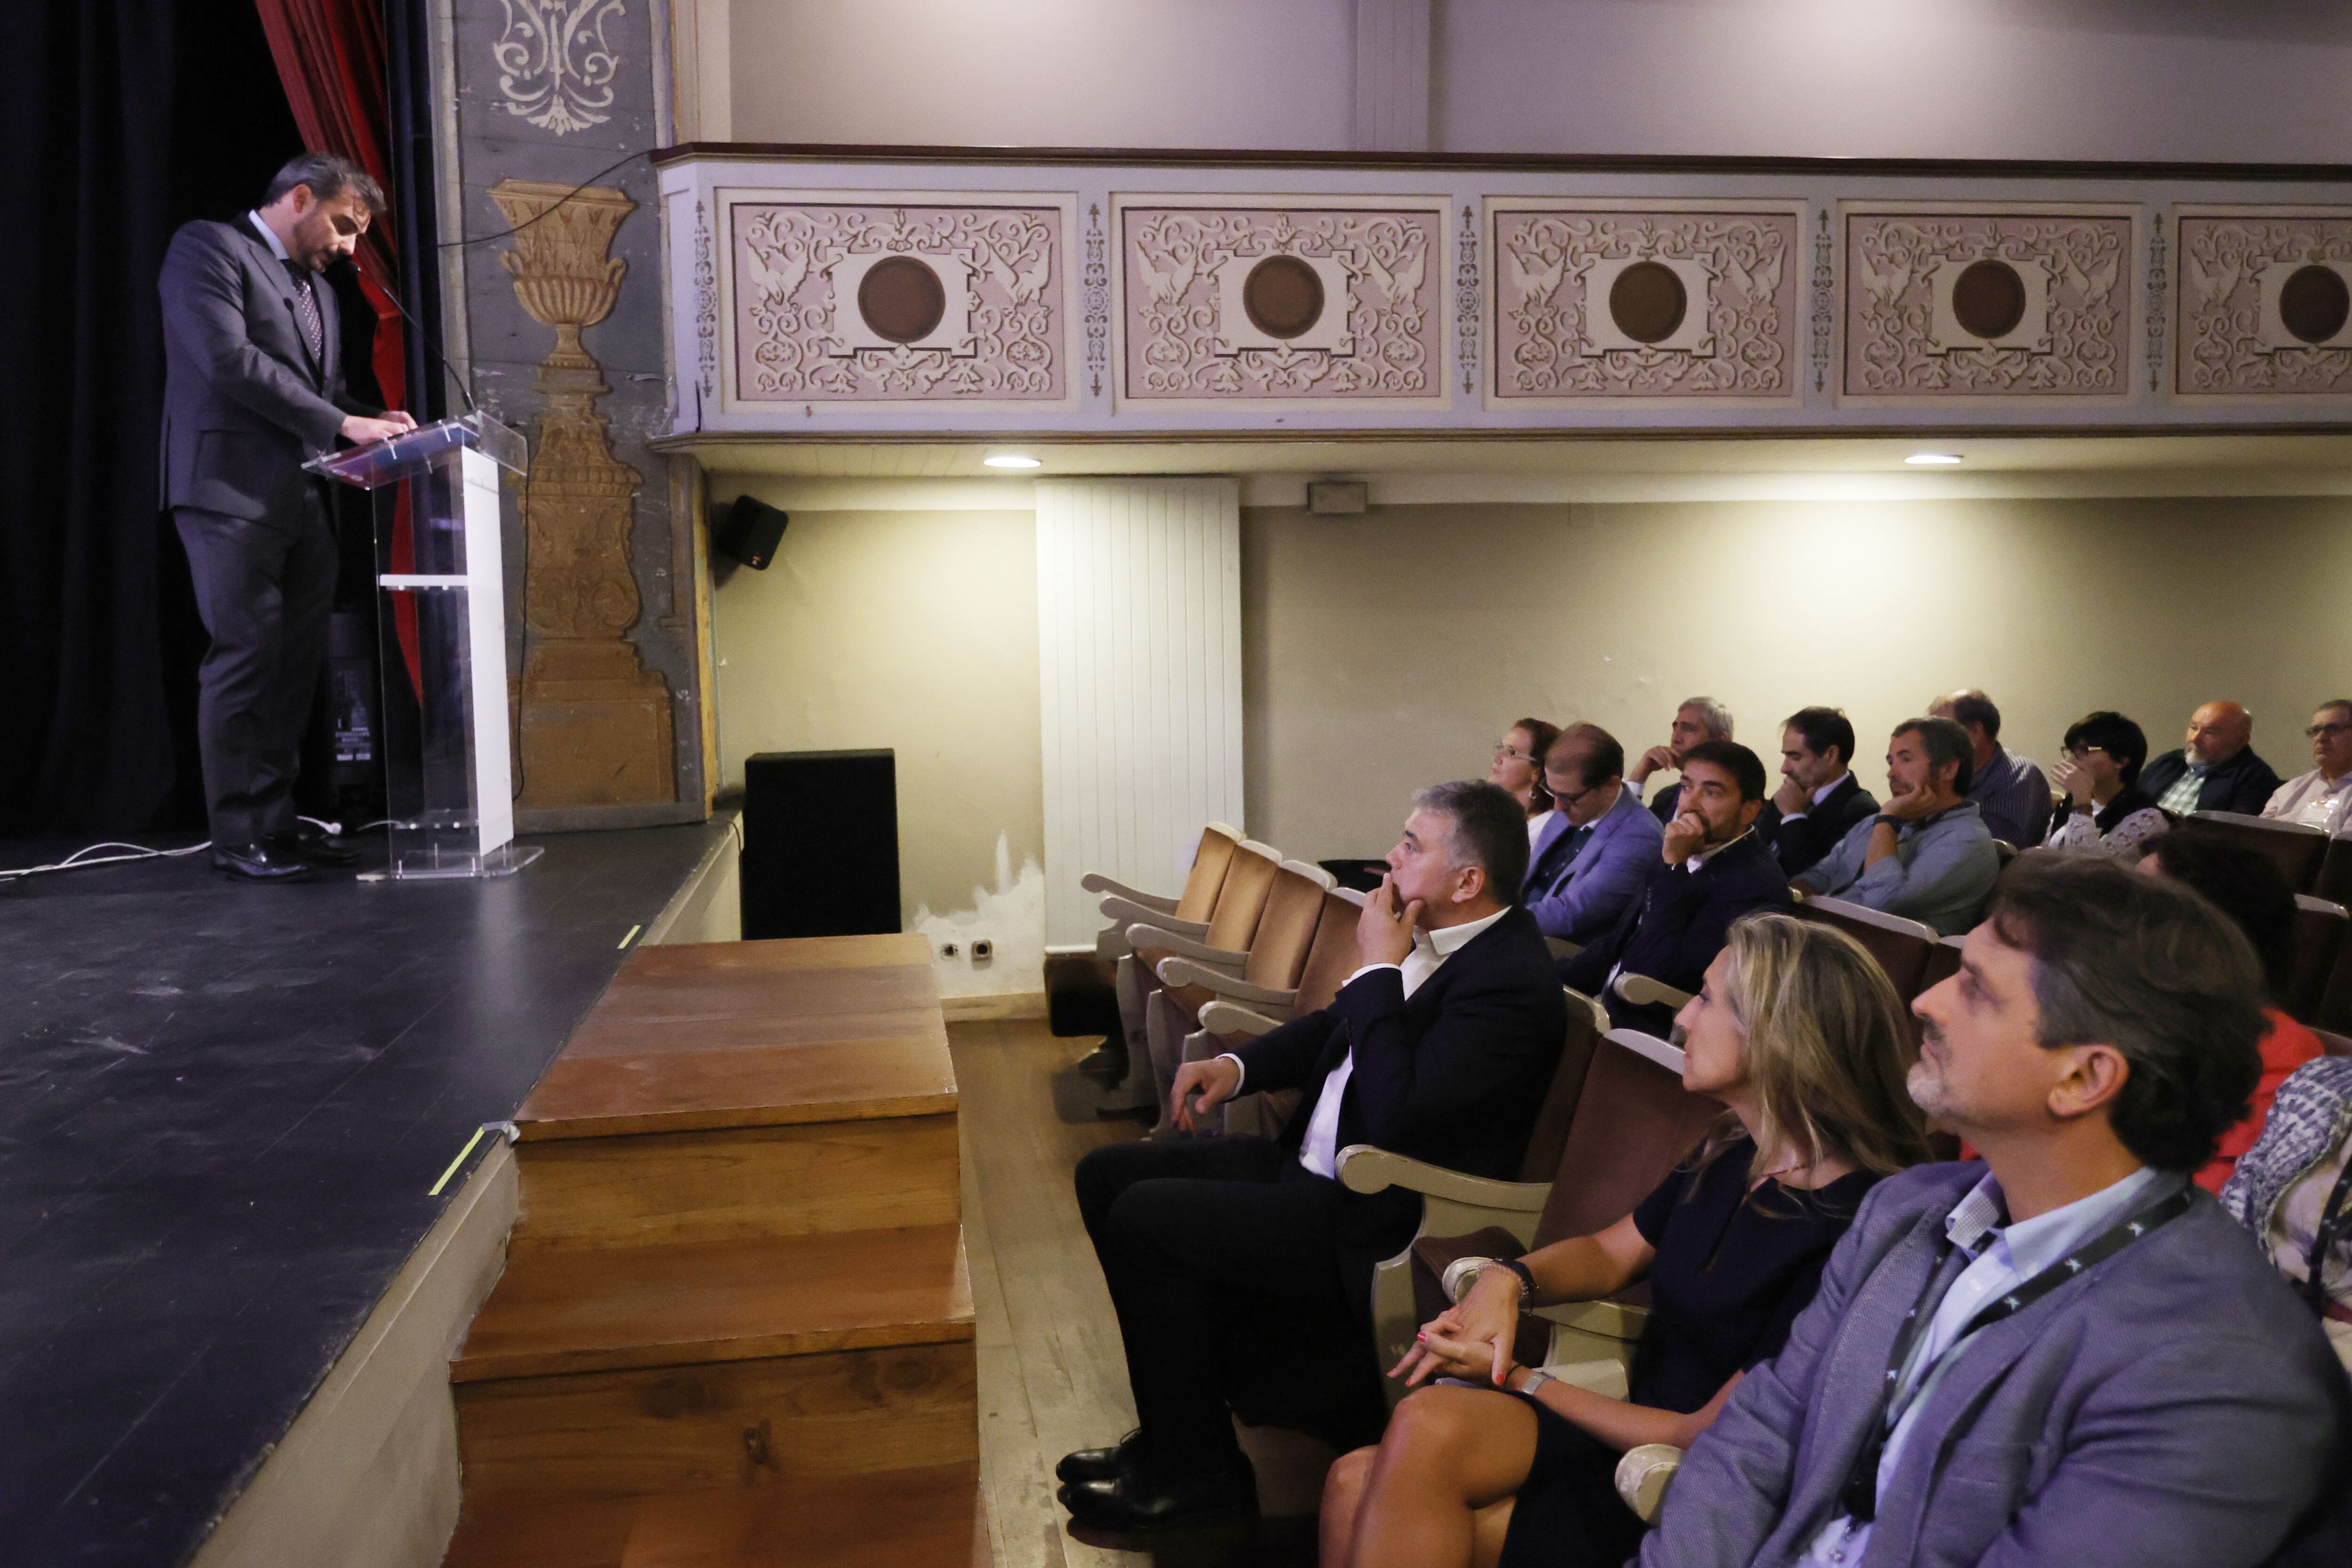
(927, 1518)
(717, 1424)
(572, 1311)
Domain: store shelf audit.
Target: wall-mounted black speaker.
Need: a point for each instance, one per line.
(820, 843)
(749, 531)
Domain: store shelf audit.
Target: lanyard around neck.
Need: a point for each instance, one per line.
(1861, 1492)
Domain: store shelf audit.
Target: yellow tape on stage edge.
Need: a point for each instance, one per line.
(632, 935)
(460, 1160)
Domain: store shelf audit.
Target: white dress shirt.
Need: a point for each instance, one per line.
(2311, 800)
(1321, 1151)
(1536, 823)
(2003, 1257)
(1818, 796)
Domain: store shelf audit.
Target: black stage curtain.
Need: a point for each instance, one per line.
(122, 118)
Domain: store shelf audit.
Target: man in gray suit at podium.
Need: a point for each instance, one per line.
(252, 389)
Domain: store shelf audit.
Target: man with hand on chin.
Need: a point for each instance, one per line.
(1712, 870)
(1240, 1267)
(1926, 856)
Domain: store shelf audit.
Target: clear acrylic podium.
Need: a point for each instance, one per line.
(451, 804)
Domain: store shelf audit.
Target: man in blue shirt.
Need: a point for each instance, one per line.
(1925, 855)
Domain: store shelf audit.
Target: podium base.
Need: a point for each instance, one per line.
(504, 860)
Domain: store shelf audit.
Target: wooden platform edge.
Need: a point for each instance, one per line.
(366, 1477)
(710, 1119)
(981, 1010)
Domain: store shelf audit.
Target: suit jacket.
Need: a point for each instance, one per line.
(2244, 783)
(1799, 843)
(2173, 1407)
(1578, 899)
(1453, 1075)
(1678, 927)
(245, 403)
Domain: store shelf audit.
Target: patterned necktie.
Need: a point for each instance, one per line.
(312, 328)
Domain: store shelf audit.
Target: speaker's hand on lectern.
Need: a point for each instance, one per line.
(1214, 1082)
(359, 429)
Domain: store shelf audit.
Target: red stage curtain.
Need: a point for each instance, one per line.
(329, 55)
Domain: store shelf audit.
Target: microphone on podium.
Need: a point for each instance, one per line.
(431, 342)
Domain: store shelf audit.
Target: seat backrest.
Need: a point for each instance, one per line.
(1942, 964)
(1634, 1121)
(2319, 932)
(1902, 948)
(1240, 903)
(1587, 1022)
(1332, 957)
(2333, 1044)
(1210, 862)
(1294, 910)
(2334, 883)
(2294, 848)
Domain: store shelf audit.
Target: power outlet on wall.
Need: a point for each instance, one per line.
(982, 949)
(946, 949)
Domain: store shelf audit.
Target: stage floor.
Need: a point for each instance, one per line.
(221, 1108)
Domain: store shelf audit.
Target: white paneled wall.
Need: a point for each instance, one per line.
(1139, 646)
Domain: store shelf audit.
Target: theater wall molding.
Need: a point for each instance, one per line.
(822, 293)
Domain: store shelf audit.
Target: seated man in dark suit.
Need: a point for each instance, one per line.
(2059, 1352)
(1595, 856)
(1240, 1268)
(1699, 719)
(1820, 799)
(1712, 870)
(2217, 770)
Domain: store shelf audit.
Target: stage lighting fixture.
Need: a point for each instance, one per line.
(1933, 459)
(1010, 460)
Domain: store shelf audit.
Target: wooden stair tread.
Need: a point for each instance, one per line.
(574, 1310)
(705, 1035)
(927, 1518)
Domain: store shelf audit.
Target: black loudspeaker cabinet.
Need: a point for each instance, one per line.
(820, 843)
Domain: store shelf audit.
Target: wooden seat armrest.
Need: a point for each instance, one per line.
(1644, 1474)
(1224, 1017)
(1146, 934)
(1190, 972)
(1123, 912)
(1364, 1168)
(1562, 949)
(1613, 1319)
(1642, 991)
(1095, 882)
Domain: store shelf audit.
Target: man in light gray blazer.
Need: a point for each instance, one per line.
(1599, 850)
(252, 388)
(2066, 1353)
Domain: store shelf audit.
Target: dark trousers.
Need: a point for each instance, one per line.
(264, 593)
(1223, 1261)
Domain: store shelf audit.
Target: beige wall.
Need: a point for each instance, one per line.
(1385, 652)
(915, 631)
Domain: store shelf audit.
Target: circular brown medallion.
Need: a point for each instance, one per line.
(1648, 302)
(901, 298)
(1283, 296)
(1989, 299)
(2315, 304)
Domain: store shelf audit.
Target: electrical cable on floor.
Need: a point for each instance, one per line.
(74, 862)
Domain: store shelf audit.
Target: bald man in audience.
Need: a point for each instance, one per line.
(2216, 769)
(2012, 790)
(1926, 856)
(1698, 718)
(1241, 1268)
(1593, 857)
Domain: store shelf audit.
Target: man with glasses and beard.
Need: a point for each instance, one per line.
(1712, 869)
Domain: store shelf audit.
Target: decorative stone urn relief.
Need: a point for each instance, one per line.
(596, 724)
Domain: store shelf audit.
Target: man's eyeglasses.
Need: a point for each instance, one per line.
(2330, 730)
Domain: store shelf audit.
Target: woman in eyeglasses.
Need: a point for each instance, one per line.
(2105, 811)
(1518, 768)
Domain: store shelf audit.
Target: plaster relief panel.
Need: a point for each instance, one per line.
(1988, 302)
(1280, 301)
(2266, 303)
(898, 301)
(1682, 303)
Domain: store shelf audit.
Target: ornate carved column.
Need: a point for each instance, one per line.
(596, 724)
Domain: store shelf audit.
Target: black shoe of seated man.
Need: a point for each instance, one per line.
(1106, 1061)
(260, 862)
(1101, 1464)
(1136, 1503)
(318, 846)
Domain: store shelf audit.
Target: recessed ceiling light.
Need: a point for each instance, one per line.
(1014, 460)
(1933, 459)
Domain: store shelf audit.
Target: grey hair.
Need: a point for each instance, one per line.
(1490, 831)
(328, 175)
(1716, 717)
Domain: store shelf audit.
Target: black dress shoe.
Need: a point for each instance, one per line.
(1099, 1464)
(1135, 1504)
(1105, 1062)
(260, 862)
(309, 843)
